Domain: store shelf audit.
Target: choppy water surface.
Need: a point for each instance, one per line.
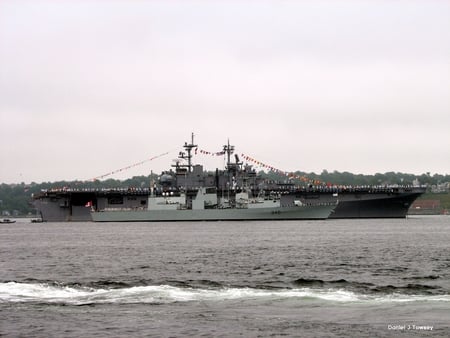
(337, 278)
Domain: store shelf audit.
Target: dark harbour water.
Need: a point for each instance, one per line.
(334, 278)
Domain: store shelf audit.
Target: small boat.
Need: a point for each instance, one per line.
(37, 220)
(6, 221)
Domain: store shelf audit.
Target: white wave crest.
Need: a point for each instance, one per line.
(22, 292)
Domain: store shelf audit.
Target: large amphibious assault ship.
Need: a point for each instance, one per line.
(189, 193)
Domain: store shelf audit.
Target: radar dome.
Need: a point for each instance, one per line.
(166, 179)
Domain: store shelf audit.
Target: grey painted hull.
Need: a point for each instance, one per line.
(281, 213)
(356, 203)
(376, 206)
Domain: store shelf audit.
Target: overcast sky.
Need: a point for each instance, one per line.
(89, 87)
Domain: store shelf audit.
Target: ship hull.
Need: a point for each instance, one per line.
(286, 213)
(72, 206)
(359, 203)
(378, 206)
(58, 211)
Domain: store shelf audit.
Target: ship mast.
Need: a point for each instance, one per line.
(229, 150)
(232, 167)
(182, 155)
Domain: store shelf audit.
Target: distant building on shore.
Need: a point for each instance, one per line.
(425, 207)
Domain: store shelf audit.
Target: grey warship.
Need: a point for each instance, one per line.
(187, 192)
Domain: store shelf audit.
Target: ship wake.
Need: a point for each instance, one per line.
(52, 293)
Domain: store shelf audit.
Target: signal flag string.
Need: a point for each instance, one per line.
(129, 167)
(269, 167)
(284, 173)
(212, 153)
